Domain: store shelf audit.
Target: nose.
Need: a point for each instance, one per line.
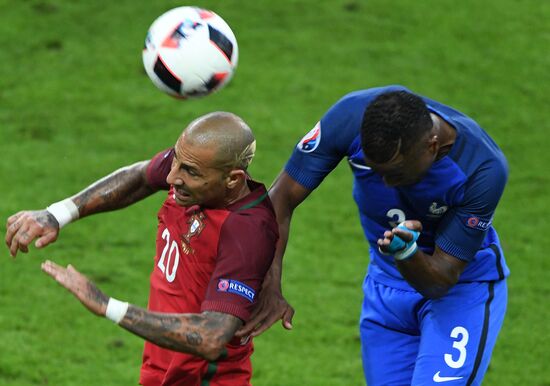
(173, 178)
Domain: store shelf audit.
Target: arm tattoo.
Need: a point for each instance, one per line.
(117, 190)
(46, 219)
(96, 295)
(203, 334)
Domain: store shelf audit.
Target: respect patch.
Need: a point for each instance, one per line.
(237, 288)
(478, 223)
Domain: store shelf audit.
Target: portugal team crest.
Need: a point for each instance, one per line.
(196, 225)
(311, 140)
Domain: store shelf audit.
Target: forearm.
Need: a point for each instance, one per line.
(204, 335)
(275, 271)
(119, 189)
(429, 275)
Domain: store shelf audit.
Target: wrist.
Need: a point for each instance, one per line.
(116, 310)
(406, 253)
(401, 249)
(64, 211)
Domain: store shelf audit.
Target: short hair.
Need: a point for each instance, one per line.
(394, 120)
(229, 134)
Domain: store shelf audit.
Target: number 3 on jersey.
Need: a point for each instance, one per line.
(172, 260)
(462, 335)
(397, 216)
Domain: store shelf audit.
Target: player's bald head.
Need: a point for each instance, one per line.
(228, 134)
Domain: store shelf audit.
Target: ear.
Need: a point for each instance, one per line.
(433, 145)
(234, 178)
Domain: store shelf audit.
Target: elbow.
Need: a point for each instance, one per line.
(212, 351)
(434, 292)
(439, 289)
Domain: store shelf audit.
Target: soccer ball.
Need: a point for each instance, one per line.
(190, 52)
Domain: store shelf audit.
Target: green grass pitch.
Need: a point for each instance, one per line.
(75, 104)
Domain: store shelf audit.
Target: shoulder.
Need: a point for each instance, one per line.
(360, 99)
(158, 169)
(341, 124)
(255, 211)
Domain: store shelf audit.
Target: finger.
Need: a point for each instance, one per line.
(388, 234)
(403, 234)
(252, 323)
(287, 318)
(413, 225)
(21, 240)
(46, 239)
(407, 234)
(49, 267)
(11, 231)
(57, 272)
(268, 322)
(261, 328)
(13, 218)
(14, 245)
(383, 242)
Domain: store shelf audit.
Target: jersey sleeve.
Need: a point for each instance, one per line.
(335, 136)
(245, 253)
(158, 169)
(324, 146)
(465, 226)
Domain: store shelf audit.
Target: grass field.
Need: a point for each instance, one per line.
(75, 104)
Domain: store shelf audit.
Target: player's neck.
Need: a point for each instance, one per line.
(237, 194)
(446, 135)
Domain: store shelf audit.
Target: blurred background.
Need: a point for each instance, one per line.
(75, 104)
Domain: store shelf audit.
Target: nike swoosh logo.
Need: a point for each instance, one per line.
(438, 378)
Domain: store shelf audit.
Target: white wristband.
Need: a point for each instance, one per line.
(405, 254)
(116, 310)
(64, 211)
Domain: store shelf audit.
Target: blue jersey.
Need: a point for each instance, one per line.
(455, 201)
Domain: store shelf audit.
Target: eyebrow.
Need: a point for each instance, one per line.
(187, 166)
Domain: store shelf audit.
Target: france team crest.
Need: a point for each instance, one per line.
(311, 140)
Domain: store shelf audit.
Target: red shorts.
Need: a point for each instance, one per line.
(163, 367)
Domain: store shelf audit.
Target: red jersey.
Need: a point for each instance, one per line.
(207, 260)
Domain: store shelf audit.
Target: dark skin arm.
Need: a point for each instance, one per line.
(285, 194)
(431, 275)
(119, 189)
(204, 334)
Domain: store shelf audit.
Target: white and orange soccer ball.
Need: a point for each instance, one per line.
(190, 52)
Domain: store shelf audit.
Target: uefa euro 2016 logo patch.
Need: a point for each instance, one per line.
(311, 140)
(237, 288)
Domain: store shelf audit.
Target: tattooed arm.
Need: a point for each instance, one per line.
(117, 190)
(204, 334)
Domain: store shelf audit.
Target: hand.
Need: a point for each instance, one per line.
(79, 285)
(23, 227)
(384, 243)
(271, 307)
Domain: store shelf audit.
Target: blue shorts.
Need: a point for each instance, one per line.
(410, 340)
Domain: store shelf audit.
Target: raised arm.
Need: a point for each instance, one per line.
(204, 334)
(119, 189)
(285, 194)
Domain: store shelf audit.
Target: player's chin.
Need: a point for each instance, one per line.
(183, 199)
(394, 183)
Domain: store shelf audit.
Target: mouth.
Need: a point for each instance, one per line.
(181, 195)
